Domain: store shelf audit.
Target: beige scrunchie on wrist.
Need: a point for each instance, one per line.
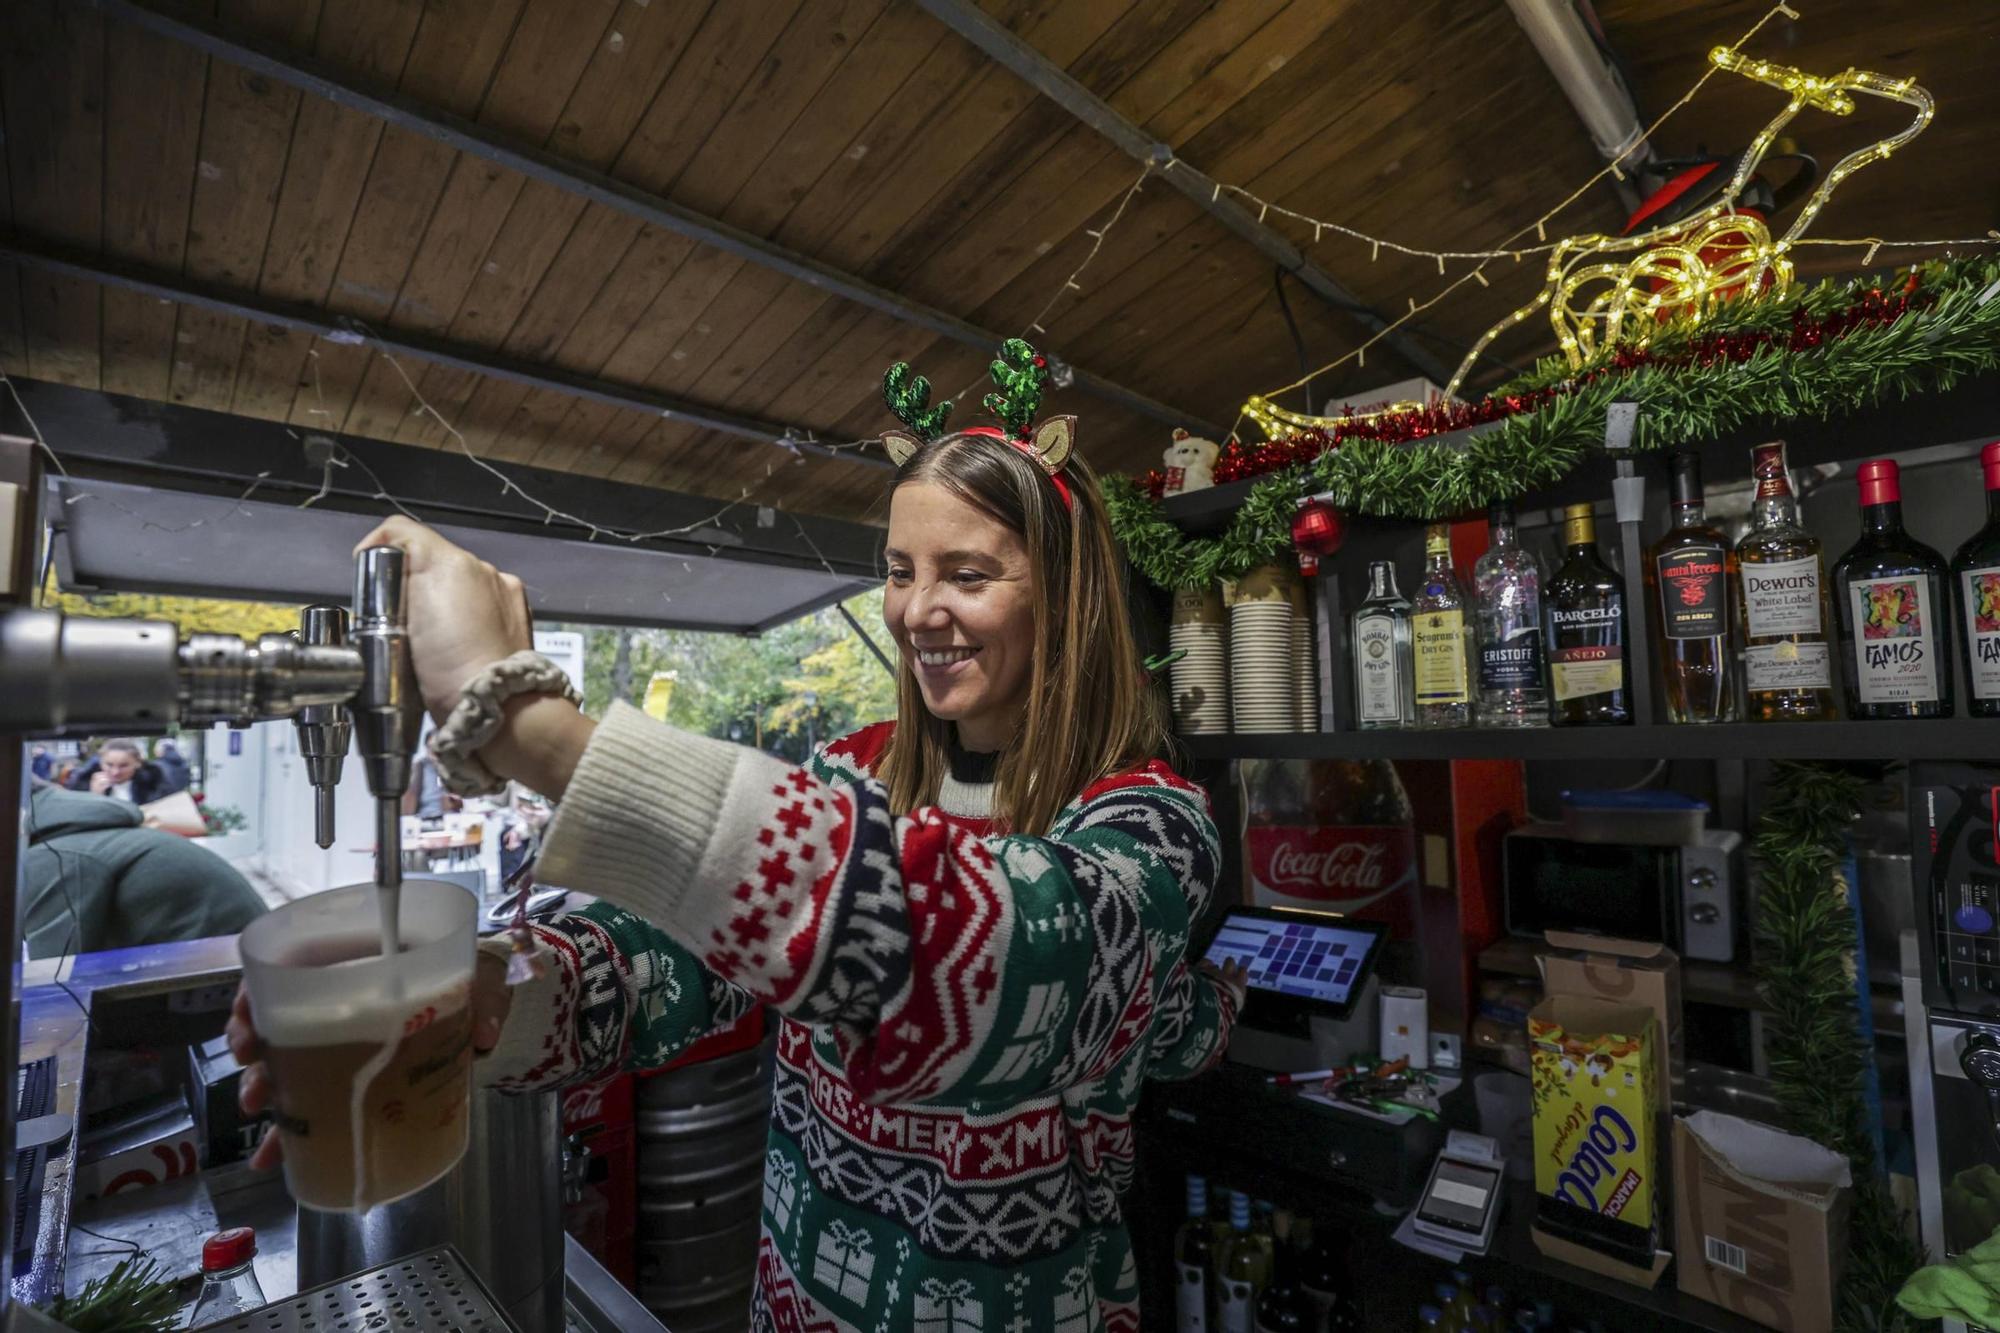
(479, 714)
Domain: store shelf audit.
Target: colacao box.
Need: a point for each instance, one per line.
(1596, 1109)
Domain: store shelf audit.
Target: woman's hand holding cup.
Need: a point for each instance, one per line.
(491, 999)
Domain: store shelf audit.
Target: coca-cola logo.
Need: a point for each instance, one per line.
(1352, 867)
(1363, 869)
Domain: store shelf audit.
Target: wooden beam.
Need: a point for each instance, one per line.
(976, 26)
(477, 360)
(538, 164)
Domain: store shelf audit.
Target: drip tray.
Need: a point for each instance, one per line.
(433, 1290)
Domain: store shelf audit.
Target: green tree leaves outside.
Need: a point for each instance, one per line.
(811, 680)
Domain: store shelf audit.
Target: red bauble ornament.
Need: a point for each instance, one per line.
(1317, 529)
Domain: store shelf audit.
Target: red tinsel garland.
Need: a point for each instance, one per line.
(1239, 461)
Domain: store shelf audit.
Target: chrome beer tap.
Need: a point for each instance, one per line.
(387, 709)
(338, 679)
(324, 730)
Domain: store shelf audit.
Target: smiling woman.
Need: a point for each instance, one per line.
(973, 920)
(1004, 596)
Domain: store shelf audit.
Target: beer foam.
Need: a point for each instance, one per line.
(377, 1016)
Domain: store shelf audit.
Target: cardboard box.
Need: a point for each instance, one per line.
(1621, 972)
(1769, 1249)
(1597, 1125)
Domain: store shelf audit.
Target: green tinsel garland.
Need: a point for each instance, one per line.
(1805, 976)
(1926, 351)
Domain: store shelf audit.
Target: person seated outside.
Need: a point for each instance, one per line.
(95, 878)
(121, 770)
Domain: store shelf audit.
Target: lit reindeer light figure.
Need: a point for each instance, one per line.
(1694, 263)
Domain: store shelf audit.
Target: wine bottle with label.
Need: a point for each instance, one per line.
(1890, 592)
(1441, 633)
(1586, 601)
(1783, 611)
(1195, 1294)
(1507, 592)
(1380, 653)
(1975, 578)
(1283, 1307)
(1688, 575)
(1246, 1271)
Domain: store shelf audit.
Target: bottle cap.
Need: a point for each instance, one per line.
(1239, 1211)
(1989, 460)
(1579, 525)
(1197, 1194)
(1767, 465)
(228, 1249)
(1687, 479)
(1500, 514)
(1879, 482)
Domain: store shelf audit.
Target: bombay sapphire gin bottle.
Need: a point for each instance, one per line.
(1507, 596)
(1379, 637)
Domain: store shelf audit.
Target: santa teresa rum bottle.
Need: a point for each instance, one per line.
(1688, 576)
(1783, 610)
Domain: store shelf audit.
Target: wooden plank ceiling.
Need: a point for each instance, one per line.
(861, 133)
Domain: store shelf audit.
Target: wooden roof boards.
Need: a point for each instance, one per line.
(863, 137)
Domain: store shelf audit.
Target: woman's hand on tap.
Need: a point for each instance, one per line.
(491, 999)
(464, 616)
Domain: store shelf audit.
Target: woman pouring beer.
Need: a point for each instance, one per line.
(973, 921)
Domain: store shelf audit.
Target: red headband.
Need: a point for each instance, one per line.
(1026, 447)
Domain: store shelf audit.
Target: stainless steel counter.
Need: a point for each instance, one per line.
(76, 1241)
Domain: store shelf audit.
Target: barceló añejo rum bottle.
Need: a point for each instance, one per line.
(1586, 613)
(1783, 609)
(1890, 592)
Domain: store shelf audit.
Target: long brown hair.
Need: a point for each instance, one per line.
(1090, 712)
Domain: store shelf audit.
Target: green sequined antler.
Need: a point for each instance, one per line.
(1020, 373)
(907, 395)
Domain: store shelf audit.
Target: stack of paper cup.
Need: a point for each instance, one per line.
(1305, 671)
(1200, 678)
(1263, 688)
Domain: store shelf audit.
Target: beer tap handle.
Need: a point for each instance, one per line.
(324, 730)
(388, 711)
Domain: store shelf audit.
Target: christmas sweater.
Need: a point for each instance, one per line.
(967, 1017)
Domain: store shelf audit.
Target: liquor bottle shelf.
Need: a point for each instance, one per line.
(1946, 738)
(1961, 417)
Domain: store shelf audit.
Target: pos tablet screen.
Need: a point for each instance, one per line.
(1314, 959)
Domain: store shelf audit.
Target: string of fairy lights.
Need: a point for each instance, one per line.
(1572, 263)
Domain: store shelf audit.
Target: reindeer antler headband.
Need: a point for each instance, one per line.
(1019, 372)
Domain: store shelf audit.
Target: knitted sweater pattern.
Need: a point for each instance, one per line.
(967, 1017)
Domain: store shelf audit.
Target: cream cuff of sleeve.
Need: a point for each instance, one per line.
(640, 813)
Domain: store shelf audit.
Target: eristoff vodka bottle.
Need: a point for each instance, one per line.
(1507, 593)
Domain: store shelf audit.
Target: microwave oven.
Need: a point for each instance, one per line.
(1681, 895)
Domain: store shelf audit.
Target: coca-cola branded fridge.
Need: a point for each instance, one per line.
(1413, 844)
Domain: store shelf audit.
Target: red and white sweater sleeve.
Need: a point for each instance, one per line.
(947, 965)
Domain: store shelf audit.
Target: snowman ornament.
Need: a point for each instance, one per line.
(1189, 459)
